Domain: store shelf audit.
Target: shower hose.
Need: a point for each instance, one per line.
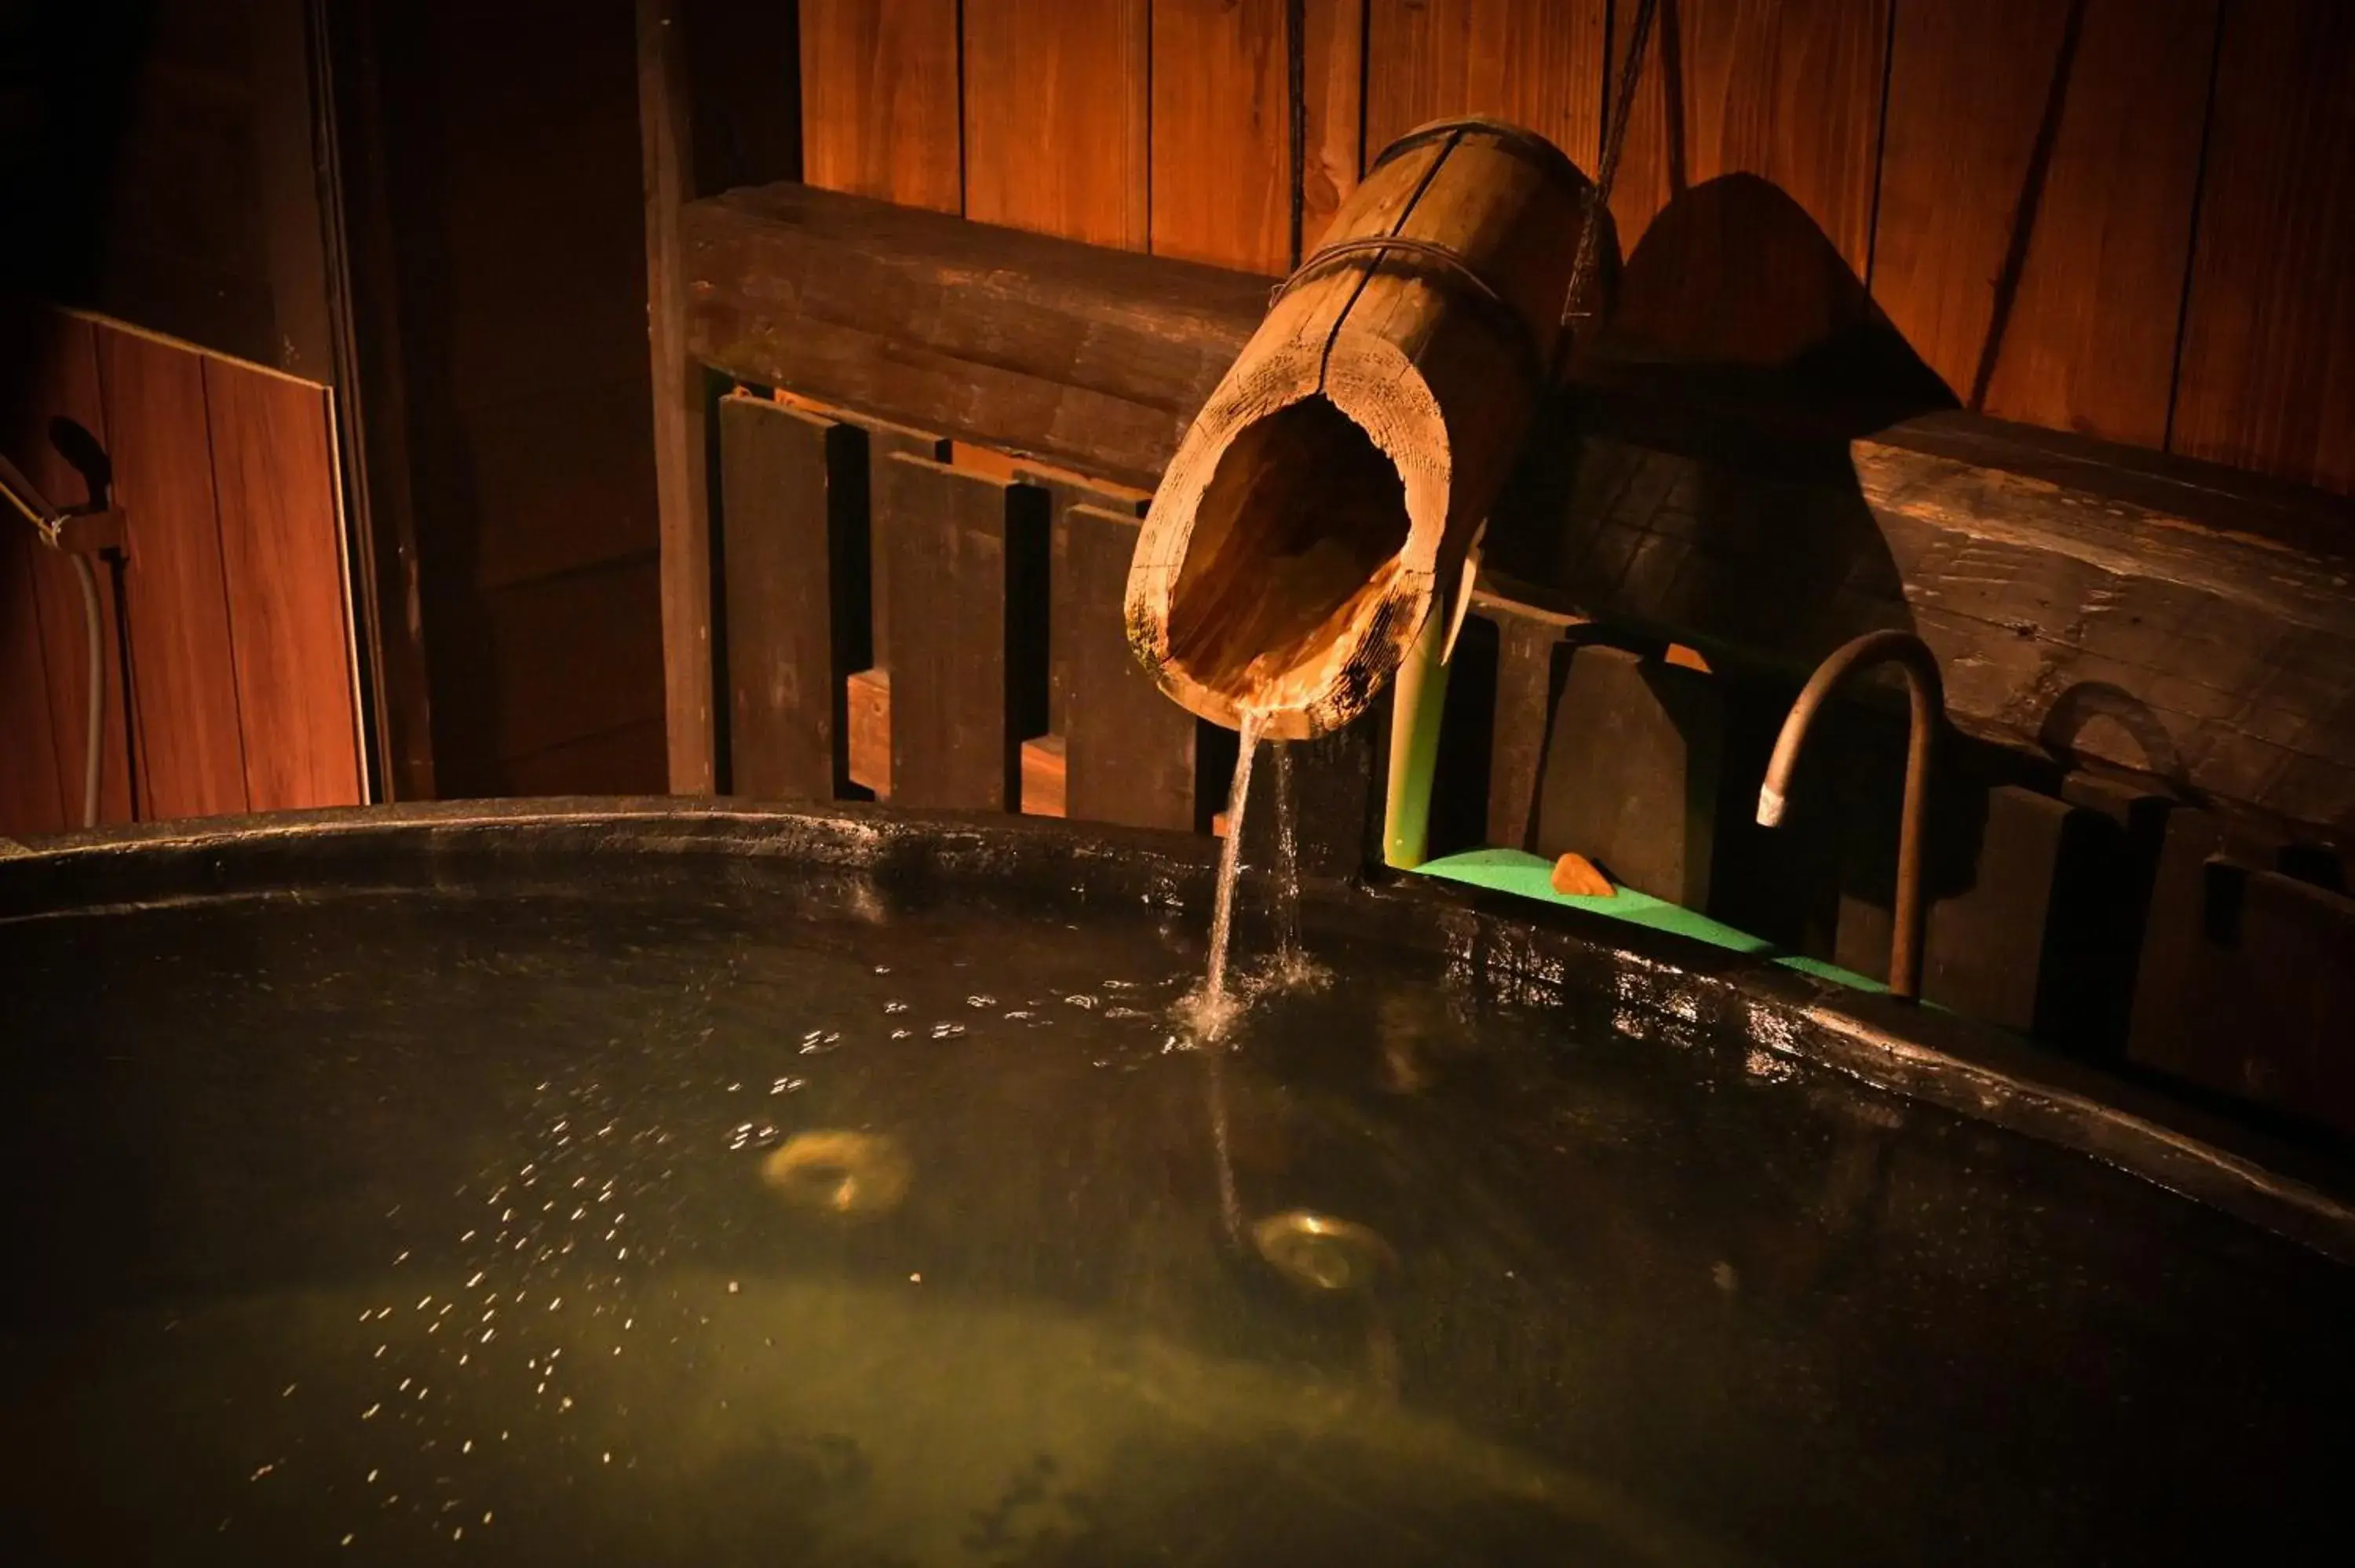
(49, 522)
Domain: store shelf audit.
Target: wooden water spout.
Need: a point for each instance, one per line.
(1325, 498)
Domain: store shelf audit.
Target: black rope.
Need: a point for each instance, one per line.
(1598, 196)
(1296, 49)
(1450, 263)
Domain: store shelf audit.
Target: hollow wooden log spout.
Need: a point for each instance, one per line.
(1325, 498)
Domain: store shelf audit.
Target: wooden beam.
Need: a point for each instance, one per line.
(1044, 777)
(869, 696)
(682, 437)
(2054, 575)
(1090, 357)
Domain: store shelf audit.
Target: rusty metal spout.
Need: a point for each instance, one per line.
(1925, 694)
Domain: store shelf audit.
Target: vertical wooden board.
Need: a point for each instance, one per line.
(879, 99)
(1983, 946)
(30, 797)
(2267, 376)
(1526, 645)
(1223, 134)
(2036, 195)
(1129, 750)
(63, 351)
(1633, 761)
(966, 565)
(885, 441)
(176, 597)
(681, 398)
(1057, 99)
(1333, 43)
(1538, 63)
(1789, 93)
(791, 646)
(2298, 942)
(1065, 491)
(282, 558)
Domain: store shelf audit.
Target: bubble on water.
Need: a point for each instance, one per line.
(902, 1034)
(978, 1000)
(947, 1031)
(1080, 999)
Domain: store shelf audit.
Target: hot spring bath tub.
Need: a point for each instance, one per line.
(639, 1184)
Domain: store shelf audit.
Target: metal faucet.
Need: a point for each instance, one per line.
(1926, 694)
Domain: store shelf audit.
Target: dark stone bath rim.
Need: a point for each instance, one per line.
(2306, 1194)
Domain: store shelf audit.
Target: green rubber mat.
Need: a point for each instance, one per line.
(1527, 875)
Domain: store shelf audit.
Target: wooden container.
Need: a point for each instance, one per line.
(1327, 492)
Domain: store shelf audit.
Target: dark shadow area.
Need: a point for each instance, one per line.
(2089, 702)
(68, 73)
(517, 256)
(1692, 483)
(1693, 480)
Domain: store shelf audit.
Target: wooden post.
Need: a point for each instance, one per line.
(682, 481)
(1330, 487)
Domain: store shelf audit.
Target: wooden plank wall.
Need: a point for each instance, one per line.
(231, 598)
(2121, 217)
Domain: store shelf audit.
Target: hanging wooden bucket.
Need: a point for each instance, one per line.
(1325, 495)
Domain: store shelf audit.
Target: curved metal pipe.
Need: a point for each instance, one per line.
(1925, 694)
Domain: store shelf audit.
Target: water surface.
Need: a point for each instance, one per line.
(386, 1227)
